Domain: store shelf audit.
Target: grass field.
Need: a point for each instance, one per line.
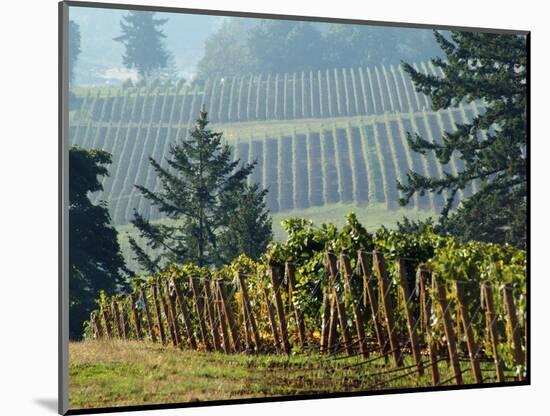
(122, 373)
(372, 216)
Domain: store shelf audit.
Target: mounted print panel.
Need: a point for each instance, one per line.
(264, 207)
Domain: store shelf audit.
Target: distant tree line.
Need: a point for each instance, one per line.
(244, 46)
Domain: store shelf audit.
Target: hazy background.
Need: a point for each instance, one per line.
(100, 61)
(243, 45)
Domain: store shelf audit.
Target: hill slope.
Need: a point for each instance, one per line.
(319, 137)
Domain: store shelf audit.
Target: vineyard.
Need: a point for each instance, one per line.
(318, 137)
(422, 304)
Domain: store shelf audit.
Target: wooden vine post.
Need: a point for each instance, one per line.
(150, 323)
(357, 309)
(171, 296)
(246, 319)
(211, 315)
(271, 315)
(448, 326)
(158, 313)
(491, 318)
(185, 314)
(222, 319)
(168, 316)
(466, 325)
(342, 318)
(372, 299)
(331, 339)
(107, 320)
(422, 276)
(280, 308)
(229, 314)
(413, 336)
(250, 320)
(514, 329)
(96, 326)
(291, 274)
(135, 315)
(325, 322)
(116, 318)
(332, 334)
(199, 306)
(125, 320)
(383, 282)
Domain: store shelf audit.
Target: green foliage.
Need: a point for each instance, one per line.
(490, 68)
(143, 40)
(408, 225)
(248, 224)
(95, 262)
(474, 262)
(360, 45)
(285, 46)
(225, 52)
(446, 259)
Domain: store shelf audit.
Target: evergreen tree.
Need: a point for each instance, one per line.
(74, 48)
(95, 262)
(491, 68)
(248, 224)
(143, 40)
(203, 192)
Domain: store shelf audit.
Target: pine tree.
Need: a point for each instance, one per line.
(95, 261)
(74, 48)
(490, 68)
(203, 195)
(248, 224)
(143, 40)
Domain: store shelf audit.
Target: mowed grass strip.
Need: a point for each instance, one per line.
(110, 373)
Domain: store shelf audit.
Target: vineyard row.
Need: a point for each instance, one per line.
(364, 312)
(313, 94)
(347, 162)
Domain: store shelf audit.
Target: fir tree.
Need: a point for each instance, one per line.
(143, 40)
(248, 224)
(205, 197)
(490, 68)
(74, 48)
(95, 261)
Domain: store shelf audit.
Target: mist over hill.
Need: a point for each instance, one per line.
(101, 56)
(203, 46)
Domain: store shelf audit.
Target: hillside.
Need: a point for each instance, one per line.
(319, 138)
